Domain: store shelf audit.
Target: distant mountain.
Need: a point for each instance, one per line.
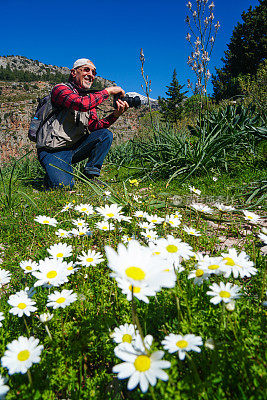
(25, 64)
(144, 100)
(23, 69)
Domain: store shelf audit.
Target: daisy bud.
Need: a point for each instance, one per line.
(209, 344)
(230, 306)
(44, 318)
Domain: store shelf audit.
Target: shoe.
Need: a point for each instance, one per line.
(93, 179)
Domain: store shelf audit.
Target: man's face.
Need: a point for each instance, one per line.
(84, 76)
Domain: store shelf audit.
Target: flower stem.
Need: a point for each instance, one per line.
(30, 377)
(27, 328)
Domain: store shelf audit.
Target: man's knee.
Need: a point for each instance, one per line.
(107, 135)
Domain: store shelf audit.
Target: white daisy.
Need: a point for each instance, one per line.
(172, 220)
(67, 207)
(62, 233)
(150, 235)
(237, 264)
(211, 265)
(112, 211)
(223, 292)
(124, 333)
(194, 190)
(85, 209)
(126, 238)
(140, 292)
(21, 304)
(105, 226)
(141, 368)
(51, 271)
(251, 217)
(79, 223)
(90, 258)
(140, 214)
(191, 231)
(42, 219)
(2, 317)
(61, 299)
(146, 225)
(81, 231)
(21, 354)
(221, 207)
(28, 266)
(107, 193)
(5, 277)
(199, 276)
(60, 250)
(137, 265)
(201, 208)
(215, 178)
(172, 248)
(123, 218)
(182, 344)
(154, 219)
(3, 387)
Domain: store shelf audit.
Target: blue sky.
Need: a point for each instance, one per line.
(111, 34)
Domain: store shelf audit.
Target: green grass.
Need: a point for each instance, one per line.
(77, 363)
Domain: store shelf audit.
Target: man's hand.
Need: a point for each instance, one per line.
(115, 90)
(122, 106)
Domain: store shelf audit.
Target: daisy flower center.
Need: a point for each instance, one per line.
(21, 306)
(51, 274)
(135, 289)
(213, 266)
(59, 254)
(182, 344)
(135, 273)
(23, 355)
(45, 221)
(171, 222)
(142, 363)
(229, 261)
(154, 220)
(80, 224)
(84, 209)
(28, 268)
(81, 233)
(199, 273)
(110, 215)
(105, 227)
(89, 259)
(127, 338)
(156, 253)
(171, 248)
(60, 300)
(70, 268)
(225, 294)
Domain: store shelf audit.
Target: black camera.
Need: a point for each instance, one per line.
(132, 101)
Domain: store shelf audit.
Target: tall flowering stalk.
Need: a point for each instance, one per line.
(201, 36)
(147, 87)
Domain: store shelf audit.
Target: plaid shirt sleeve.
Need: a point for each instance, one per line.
(95, 123)
(63, 96)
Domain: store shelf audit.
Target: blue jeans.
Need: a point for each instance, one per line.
(94, 146)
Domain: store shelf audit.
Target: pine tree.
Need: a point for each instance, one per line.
(171, 108)
(246, 51)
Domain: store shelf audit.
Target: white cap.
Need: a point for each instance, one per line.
(80, 62)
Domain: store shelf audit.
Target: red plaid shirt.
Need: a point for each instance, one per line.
(64, 96)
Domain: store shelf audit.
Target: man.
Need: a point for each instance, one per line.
(75, 133)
